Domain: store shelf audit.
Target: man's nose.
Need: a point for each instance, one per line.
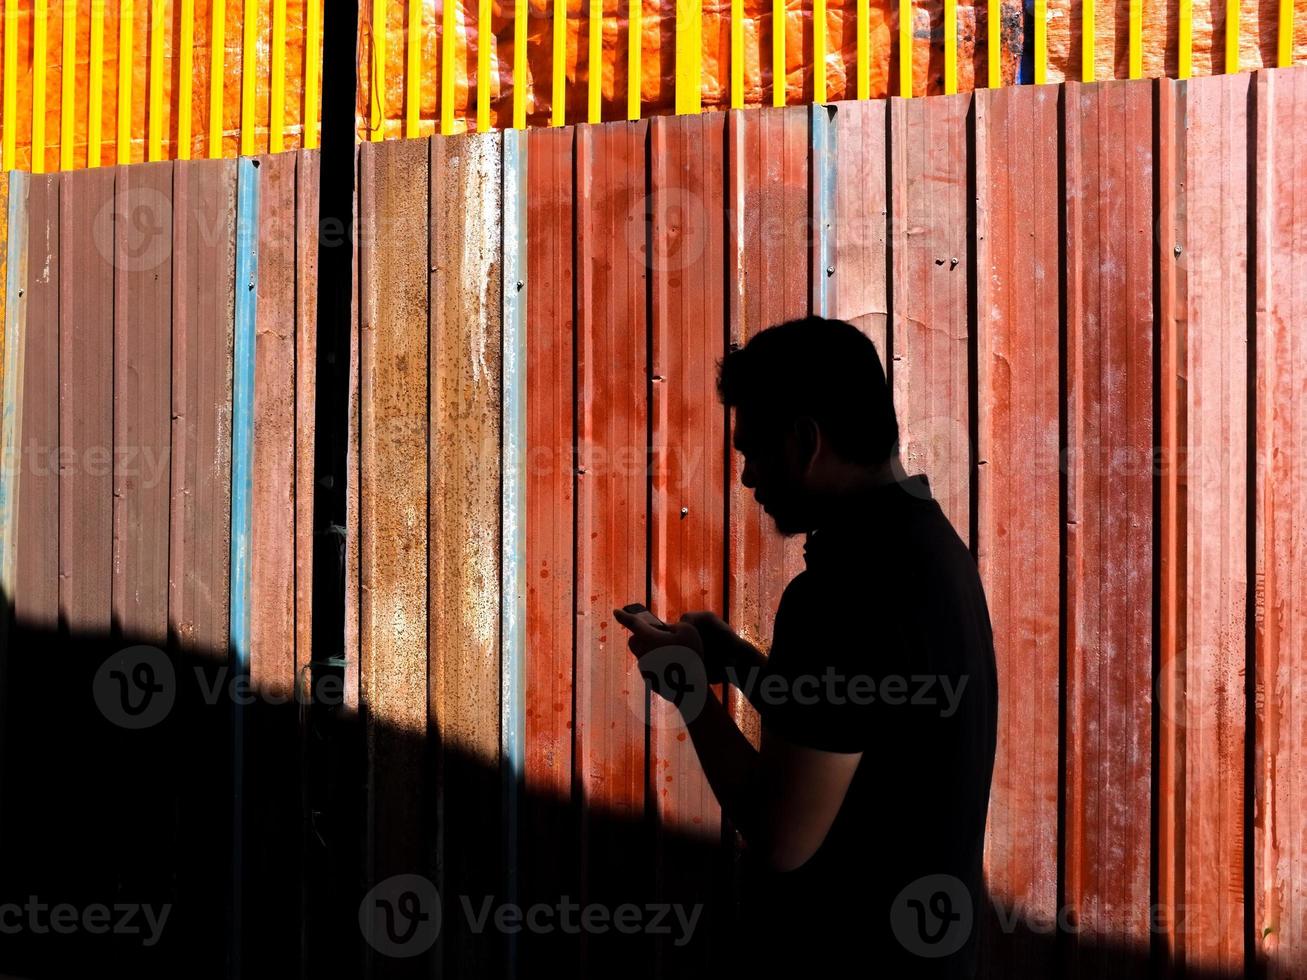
(747, 477)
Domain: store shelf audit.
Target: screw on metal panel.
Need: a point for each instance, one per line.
(830, 270)
(953, 262)
(1178, 250)
(520, 284)
(684, 511)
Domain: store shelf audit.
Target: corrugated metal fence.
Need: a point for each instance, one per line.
(1086, 298)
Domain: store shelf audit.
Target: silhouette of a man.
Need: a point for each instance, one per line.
(863, 813)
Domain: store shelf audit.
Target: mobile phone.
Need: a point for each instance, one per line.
(635, 608)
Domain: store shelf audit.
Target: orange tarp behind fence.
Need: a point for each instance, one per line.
(271, 72)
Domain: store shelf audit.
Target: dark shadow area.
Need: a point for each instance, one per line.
(93, 813)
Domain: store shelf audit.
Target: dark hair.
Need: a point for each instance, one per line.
(827, 370)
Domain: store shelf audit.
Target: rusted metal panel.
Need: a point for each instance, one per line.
(272, 920)
(393, 214)
(203, 310)
(203, 307)
(272, 531)
(861, 278)
(549, 851)
(36, 538)
(1109, 419)
(768, 259)
(687, 262)
(1279, 833)
(1207, 332)
(142, 364)
(1018, 504)
(308, 168)
(465, 527)
(611, 530)
(929, 359)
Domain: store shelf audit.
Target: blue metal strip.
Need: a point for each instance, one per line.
(821, 176)
(513, 542)
(242, 461)
(15, 314)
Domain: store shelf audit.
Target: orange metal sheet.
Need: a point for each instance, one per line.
(1018, 502)
(1207, 332)
(929, 312)
(1279, 915)
(1108, 544)
(549, 851)
(687, 260)
(611, 526)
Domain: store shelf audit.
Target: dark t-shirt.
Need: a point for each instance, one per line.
(884, 646)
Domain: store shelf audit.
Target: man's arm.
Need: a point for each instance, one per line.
(784, 798)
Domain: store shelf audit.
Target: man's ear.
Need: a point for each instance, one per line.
(808, 434)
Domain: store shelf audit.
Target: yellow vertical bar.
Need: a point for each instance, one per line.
(1185, 36)
(594, 68)
(634, 61)
(312, 70)
(40, 22)
(1041, 41)
(217, 74)
(863, 85)
(249, 53)
(484, 39)
(689, 55)
(778, 74)
(994, 43)
(377, 83)
(447, 39)
(1136, 38)
(125, 65)
(737, 54)
(1231, 36)
(558, 92)
(95, 83)
(521, 12)
(10, 121)
(155, 151)
(185, 81)
(1087, 42)
(905, 48)
(1284, 56)
(819, 50)
(413, 71)
(950, 47)
(277, 84)
(68, 104)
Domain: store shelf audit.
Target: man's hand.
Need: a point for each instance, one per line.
(726, 654)
(670, 657)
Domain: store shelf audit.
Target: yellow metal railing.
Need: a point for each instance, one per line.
(248, 73)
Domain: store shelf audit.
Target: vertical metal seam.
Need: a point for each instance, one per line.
(242, 434)
(513, 535)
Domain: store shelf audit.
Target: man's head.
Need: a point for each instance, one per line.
(814, 417)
